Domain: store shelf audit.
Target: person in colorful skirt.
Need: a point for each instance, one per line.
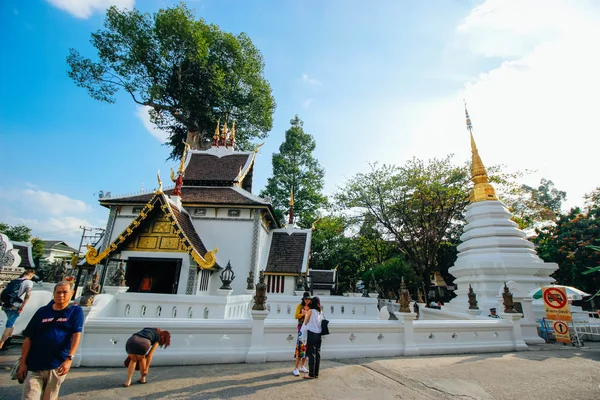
(300, 353)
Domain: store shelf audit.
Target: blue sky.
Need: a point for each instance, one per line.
(373, 81)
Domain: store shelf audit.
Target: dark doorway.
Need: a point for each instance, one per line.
(163, 271)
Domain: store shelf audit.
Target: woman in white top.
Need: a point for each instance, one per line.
(312, 319)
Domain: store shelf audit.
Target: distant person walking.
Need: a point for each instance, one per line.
(313, 319)
(300, 353)
(14, 298)
(51, 340)
(140, 349)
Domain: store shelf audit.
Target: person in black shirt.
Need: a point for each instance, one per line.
(140, 348)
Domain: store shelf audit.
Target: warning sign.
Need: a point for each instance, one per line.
(561, 332)
(556, 303)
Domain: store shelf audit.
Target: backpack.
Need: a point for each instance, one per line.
(10, 294)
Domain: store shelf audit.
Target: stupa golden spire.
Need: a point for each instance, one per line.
(482, 189)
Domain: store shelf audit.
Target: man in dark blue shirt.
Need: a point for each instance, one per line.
(51, 340)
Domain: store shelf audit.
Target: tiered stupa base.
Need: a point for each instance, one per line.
(494, 251)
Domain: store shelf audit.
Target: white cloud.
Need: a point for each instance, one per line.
(51, 216)
(142, 114)
(534, 111)
(310, 81)
(306, 103)
(85, 8)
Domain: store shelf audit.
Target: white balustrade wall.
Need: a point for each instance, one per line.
(334, 307)
(165, 306)
(225, 336)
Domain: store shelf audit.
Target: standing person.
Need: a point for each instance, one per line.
(493, 313)
(140, 349)
(312, 319)
(51, 340)
(146, 284)
(17, 293)
(300, 353)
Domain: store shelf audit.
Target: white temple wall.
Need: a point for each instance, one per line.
(121, 222)
(234, 239)
(199, 341)
(264, 244)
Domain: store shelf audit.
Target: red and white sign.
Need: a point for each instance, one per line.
(556, 303)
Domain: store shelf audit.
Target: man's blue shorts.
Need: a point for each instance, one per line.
(11, 316)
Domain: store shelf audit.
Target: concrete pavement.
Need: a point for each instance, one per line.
(548, 372)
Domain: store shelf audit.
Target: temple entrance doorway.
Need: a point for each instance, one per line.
(164, 274)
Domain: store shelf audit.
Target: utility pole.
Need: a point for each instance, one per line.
(92, 239)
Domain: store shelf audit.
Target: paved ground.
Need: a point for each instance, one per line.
(546, 372)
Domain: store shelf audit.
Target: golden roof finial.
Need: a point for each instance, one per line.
(224, 134)
(217, 133)
(232, 134)
(159, 190)
(482, 190)
(183, 158)
(291, 196)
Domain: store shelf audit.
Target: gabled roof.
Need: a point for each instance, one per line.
(231, 195)
(288, 252)
(58, 245)
(203, 196)
(180, 221)
(219, 167)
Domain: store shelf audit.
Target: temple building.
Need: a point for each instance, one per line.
(184, 237)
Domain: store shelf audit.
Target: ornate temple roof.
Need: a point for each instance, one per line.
(288, 252)
(181, 223)
(197, 195)
(219, 167)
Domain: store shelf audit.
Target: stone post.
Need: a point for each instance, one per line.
(257, 353)
(517, 334)
(407, 319)
(474, 313)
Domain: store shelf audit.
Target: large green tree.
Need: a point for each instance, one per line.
(533, 206)
(16, 233)
(570, 243)
(188, 72)
(295, 170)
(415, 205)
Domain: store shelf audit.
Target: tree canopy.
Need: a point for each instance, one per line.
(189, 73)
(16, 233)
(570, 243)
(415, 205)
(296, 171)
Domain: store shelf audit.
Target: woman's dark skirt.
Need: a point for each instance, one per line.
(137, 346)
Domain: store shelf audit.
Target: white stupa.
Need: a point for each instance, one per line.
(493, 249)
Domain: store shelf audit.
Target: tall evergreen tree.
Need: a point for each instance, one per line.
(296, 170)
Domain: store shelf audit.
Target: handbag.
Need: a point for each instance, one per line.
(324, 326)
